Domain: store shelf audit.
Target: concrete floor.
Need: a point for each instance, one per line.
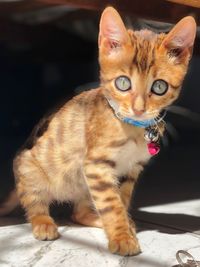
(166, 210)
(160, 239)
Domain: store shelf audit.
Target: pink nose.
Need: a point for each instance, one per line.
(138, 112)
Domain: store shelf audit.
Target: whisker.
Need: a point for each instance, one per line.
(157, 125)
(161, 117)
(152, 112)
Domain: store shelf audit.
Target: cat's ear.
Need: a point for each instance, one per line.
(180, 40)
(112, 31)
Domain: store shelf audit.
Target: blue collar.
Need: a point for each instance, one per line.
(141, 124)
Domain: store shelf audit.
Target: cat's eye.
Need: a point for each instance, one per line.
(159, 87)
(123, 83)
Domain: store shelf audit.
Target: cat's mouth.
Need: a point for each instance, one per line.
(138, 116)
(147, 117)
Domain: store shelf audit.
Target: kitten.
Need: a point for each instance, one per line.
(79, 153)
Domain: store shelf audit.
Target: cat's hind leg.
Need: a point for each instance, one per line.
(32, 187)
(85, 214)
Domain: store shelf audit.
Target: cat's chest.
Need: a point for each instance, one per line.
(130, 154)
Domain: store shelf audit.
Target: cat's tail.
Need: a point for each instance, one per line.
(10, 203)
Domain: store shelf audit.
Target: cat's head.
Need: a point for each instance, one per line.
(142, 72)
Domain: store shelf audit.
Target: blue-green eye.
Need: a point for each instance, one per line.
(123, 83)
(159, 87)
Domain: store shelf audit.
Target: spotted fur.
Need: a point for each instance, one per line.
(83, 153)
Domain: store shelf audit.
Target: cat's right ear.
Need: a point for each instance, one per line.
(180, 40)
(112, 31)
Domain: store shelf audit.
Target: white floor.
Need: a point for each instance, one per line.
(162, 231)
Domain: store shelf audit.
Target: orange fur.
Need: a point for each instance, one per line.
(81, 151)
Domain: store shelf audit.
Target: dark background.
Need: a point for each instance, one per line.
(42, 64)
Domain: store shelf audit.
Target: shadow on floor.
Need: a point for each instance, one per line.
(169, 223)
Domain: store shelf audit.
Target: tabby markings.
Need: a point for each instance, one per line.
(102, 186)
(111, 163)
(105, 210)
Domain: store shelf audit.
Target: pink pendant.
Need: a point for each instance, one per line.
(153, 148)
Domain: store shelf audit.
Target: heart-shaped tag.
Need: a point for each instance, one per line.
(153, 148)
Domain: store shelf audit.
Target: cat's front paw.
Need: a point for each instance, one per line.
(44, 228)
(45, 232)
(124, 245)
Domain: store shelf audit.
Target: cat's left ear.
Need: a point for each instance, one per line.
(112, 31)
(180, 40)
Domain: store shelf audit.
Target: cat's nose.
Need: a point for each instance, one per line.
(138, 112)
(138, 105)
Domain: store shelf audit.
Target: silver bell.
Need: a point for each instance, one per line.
(151, 135)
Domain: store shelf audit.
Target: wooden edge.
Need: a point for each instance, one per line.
(169, 10)
(193, 3)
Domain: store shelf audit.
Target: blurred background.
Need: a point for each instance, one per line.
(48, 53)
